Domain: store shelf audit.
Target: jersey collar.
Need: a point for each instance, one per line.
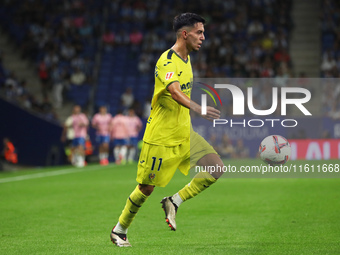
(185, 61)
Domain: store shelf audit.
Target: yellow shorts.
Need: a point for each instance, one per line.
(157, 164)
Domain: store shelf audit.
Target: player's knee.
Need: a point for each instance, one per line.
(146, 189)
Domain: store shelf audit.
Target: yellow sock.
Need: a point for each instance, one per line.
(133, 203)
(200, 182)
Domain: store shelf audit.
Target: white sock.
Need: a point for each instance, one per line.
(106, 155)
(101, 156)
(132, 153)
(116, 153)
(177, 199)
(123, 151)
(74, 158)
(80, 160)
(119, 229)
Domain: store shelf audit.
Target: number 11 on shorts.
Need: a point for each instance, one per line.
(154, 159)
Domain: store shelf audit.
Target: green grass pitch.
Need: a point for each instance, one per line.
(72, 212)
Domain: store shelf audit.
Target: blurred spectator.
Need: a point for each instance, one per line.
(11, 81)
(281, 78)
(127, 98)
(44, 77)
(67, 51)
(51, 58)
(328, 64)
(77, 77)
(136, 37)
(281, 55)
(122, 38)
(108, 39)
(86, 30)
(57, 78)
(144, 64)
(255, 28)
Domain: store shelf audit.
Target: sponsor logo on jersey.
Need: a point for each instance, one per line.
(169, 75)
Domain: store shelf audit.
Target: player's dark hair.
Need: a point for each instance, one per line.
(186, 19)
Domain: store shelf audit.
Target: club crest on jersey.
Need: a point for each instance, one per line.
(169, 75)
(152, 176)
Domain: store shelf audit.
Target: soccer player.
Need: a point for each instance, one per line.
(101, 122)
(169, 141)
(9, 151)
(67, 137)
(134, 126)
(120, 137)
(80, 124)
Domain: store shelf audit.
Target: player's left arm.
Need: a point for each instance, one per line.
(181, 98)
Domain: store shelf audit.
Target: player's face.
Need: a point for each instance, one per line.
(131, 113)
(195, 37)
(76, 109)
(103, 110)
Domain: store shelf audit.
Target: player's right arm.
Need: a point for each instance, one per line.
(181, 98)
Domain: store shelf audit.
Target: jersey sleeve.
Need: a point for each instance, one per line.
(166, 72)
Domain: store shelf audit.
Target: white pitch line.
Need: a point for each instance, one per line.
(47, 174)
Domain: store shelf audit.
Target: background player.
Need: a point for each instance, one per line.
(80, 124)
(9, 152)
(101, 122)
(134, 126)
(67, 137)
(169, 141)
(120, 137)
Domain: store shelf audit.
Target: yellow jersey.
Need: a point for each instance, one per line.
(169, 122)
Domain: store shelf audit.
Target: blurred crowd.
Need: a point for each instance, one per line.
(246, 38)
(330, 63)
(227, 148)
(330, 29)
(59, 37)
(243, 38)
(17, 91)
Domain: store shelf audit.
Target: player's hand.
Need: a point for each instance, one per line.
(212, 114)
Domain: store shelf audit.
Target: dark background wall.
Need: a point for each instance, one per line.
(36, 140)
